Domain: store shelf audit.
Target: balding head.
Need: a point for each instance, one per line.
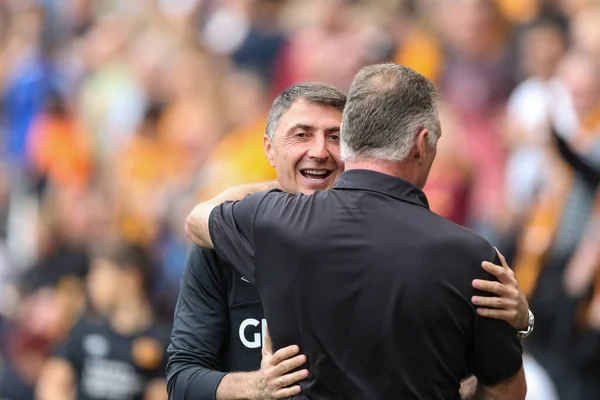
(387, 106)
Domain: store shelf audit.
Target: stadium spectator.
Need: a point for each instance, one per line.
(555, 263)
(118, 350)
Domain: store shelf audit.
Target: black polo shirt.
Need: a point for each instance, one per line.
(373, 286)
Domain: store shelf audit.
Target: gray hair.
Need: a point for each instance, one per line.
(388, 105)
(313, 92)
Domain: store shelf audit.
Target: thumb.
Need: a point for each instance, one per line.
(268, 345)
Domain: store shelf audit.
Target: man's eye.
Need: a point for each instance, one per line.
(335, 137)
(301, 135)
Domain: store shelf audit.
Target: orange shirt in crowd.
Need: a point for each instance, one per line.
(141, 172)
(60, 149)
(421, 52)
(519, 11)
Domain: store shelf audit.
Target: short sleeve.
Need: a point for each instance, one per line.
(231, 227)
(496, 353)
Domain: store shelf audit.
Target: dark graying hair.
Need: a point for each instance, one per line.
(388, 105)
(318, 93)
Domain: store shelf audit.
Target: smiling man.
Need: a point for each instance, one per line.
(219, 323)
(305, 152)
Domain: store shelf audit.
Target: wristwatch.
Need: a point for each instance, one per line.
(530, 325)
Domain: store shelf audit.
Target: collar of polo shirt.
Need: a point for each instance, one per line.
(389, 185)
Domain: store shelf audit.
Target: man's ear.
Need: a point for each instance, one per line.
(421, 146)
(269, 150)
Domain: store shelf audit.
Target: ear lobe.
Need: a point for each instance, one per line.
(421, 144)
(268, 146)
(416, 152)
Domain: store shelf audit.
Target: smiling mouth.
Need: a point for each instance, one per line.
(315, 174)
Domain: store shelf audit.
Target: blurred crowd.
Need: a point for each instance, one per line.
(117, 116)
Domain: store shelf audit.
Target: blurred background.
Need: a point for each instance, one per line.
(117, 116)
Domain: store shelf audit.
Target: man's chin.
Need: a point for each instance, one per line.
(309, 186)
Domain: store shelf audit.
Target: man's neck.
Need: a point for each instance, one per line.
(398, 169)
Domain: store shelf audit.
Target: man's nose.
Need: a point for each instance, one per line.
(318, 148)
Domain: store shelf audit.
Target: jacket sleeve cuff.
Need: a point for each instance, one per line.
(197, 384)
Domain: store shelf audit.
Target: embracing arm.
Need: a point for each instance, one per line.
(196, 226)
(513, 388)
(495, 354)
(274, 379)
(509, 304)
(200, 327)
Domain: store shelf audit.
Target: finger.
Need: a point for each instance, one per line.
(496, 270)
(496, 314)
(507, 267)
(287, 392)
(295, 377)
(490, 286)
(284, 354)
(268, 345)
(290, 364)
(490, 302)
(502, 259)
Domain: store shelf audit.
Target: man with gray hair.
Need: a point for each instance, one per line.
(373, 287)
(380, 125)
